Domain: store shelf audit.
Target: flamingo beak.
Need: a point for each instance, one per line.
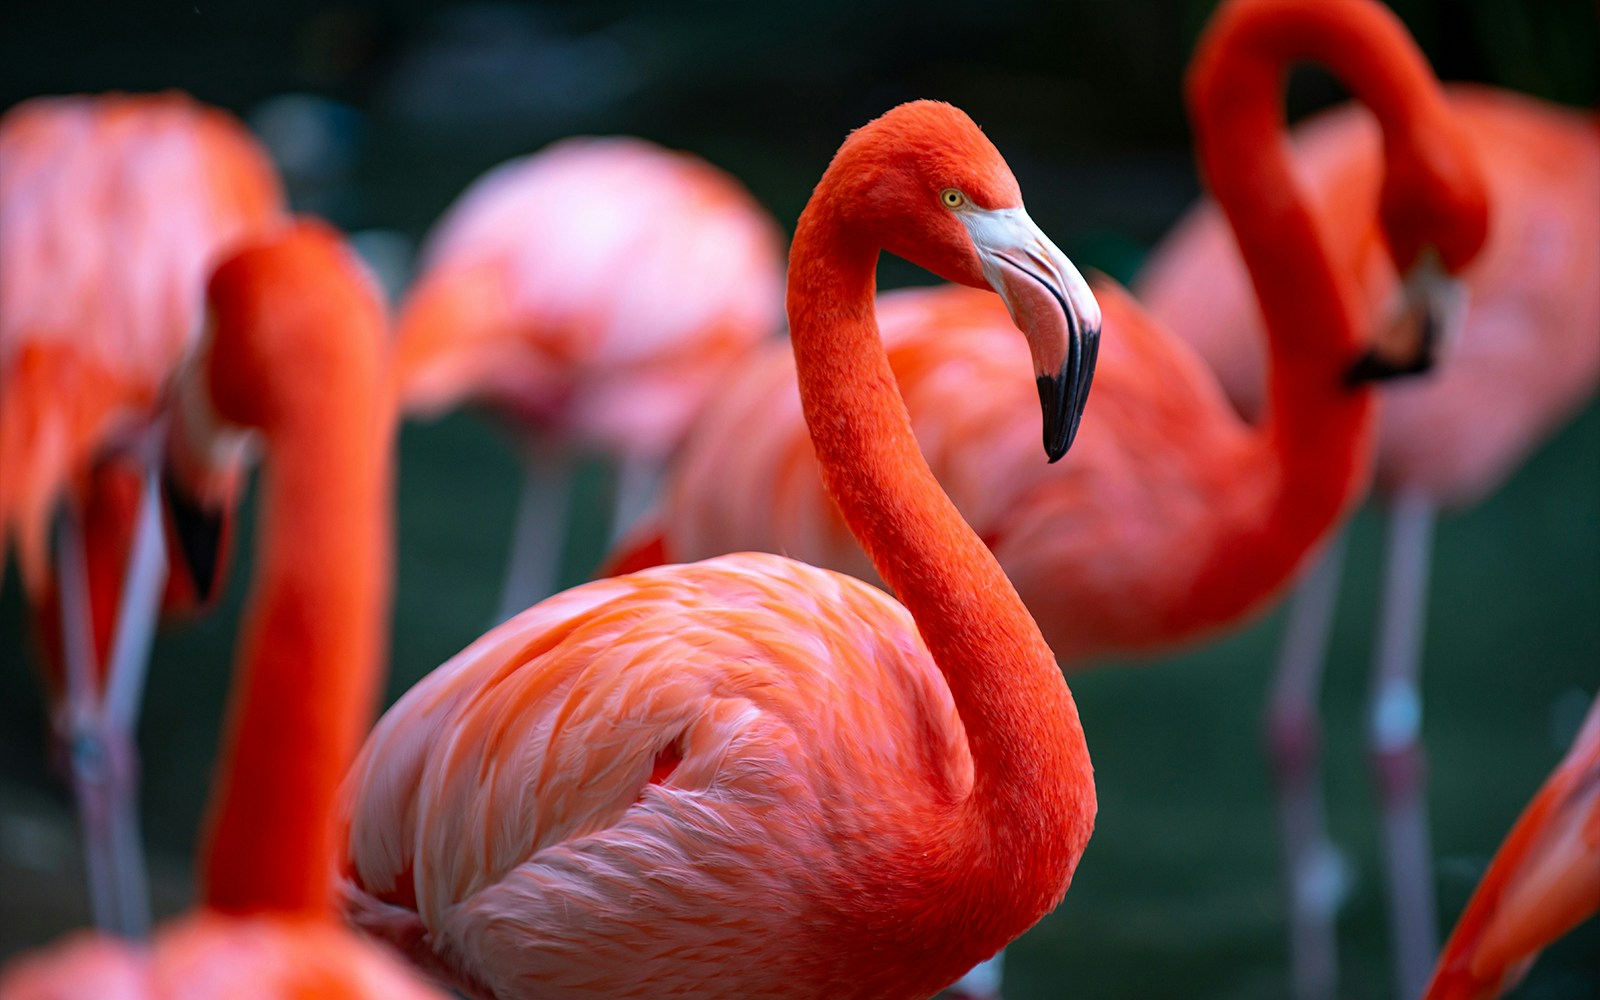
(1052, 306)
(1425, 324)
(199, 531)
(203, 467)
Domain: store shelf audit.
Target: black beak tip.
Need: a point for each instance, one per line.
(1378, 366)
(1374, 367)
(1064, 395)
(198, 531)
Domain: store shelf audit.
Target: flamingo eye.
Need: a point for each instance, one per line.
(952, 198)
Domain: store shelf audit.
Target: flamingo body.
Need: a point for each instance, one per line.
(295, 353)
(619, 743)
(1530, 340)
(115, 209)
(593, 292)
(1166, 480)
(750, 777)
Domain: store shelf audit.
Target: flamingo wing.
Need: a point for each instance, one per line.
(115, 209)
(604, 783)
(598, 288)
(1154, 464)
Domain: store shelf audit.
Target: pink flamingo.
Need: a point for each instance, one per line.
(1184, 520)
(592, 294)
(747, 776)
(1544, 880)
(295, 358)
(114, 208)
(1529, 343)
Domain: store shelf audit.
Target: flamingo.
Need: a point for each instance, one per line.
(1544, 880)
(114, 208)
(592, 294)
(749, 776)
(1208, 518)
(295, 357)
(1529, 340)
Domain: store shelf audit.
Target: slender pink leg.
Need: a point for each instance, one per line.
(79, 725)
(534, 565)
(1316, 872)
(1395, 747)
(138, 611)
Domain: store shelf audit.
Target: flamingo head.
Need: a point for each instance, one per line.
(925, 184)
(277, 348)
(1434, 215)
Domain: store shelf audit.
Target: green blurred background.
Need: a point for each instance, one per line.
(1179, 892)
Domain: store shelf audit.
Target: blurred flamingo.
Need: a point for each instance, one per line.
(1184, 520)
(294, 356)
(747, 776)
(1544, 880)
(114, 208)
(592, 294)
(1530, 343)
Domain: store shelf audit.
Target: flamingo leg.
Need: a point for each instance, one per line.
(1394, 743)
(638, 482)
(138, 610)
(533, 568)
(78, 726)
(1317, 874)
(981, 983)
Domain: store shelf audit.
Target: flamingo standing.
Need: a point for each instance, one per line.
(593, 294)
(1544, 880)
(1183, 519)
(114, 208)
(748, 776)
(1529, 342)
(295, 357)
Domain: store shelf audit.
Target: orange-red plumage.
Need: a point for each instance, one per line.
(1528, 342)
(750, 777)
(592, 292)
(115, 209)
(296, 356)
(1172, 519)
(1542, 882)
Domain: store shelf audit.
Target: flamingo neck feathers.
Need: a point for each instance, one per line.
(312, 640)
(1317, 436)
(1023, 825)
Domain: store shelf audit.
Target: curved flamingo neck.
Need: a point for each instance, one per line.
(1032, 777)
(311, 643)
(1317, 433)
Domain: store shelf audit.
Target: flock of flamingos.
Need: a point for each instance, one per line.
(707, 774)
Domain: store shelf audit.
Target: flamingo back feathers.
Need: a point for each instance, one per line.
(1161, 456)
(1529, 343)
(115, 208)
(807, 724)
(609, 275)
